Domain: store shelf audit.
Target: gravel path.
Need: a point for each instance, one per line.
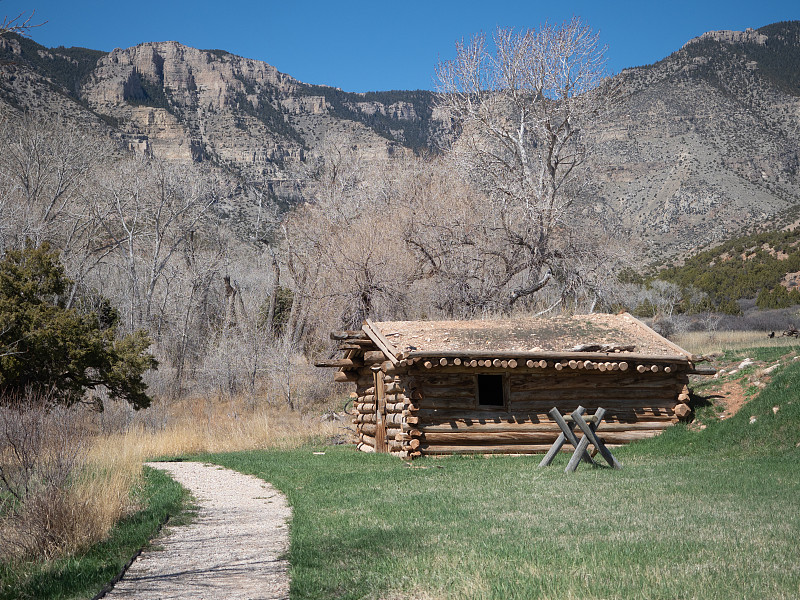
(230, 551)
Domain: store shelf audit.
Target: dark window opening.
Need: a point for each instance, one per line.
(490, 390)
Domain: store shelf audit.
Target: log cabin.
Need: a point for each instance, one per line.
(486, 386)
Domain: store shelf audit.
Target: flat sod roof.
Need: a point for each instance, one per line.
(526, 334)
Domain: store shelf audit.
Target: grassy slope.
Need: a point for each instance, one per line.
(84, 575)
(709, 514)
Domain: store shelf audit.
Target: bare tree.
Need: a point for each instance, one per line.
(521, 104)
(157, 210)
(344, 251)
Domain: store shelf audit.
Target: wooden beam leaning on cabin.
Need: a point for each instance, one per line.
(381, 342)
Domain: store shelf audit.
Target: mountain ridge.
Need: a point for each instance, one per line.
(704, 145)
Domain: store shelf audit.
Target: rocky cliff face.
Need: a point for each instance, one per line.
(187, 104)
(704, 143)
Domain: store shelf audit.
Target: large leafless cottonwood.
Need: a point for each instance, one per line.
(521, 101)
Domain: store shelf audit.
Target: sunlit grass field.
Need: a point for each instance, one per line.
(693, 514)
(703, 342)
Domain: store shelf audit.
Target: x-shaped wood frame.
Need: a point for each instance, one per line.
(588, 426)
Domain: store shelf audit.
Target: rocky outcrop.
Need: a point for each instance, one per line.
(748, 36)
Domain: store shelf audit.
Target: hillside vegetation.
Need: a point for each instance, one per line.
(765, 266)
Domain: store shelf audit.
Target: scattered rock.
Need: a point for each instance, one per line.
(775, 409)
(733, 371)
(332, 416)
(771, 369)
(746, 363)
(752, 420)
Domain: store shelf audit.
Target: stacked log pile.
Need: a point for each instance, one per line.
(401, 436)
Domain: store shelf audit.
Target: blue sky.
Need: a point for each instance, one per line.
(362, 46)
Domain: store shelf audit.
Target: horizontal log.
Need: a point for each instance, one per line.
(531, 437)
(412, 444)
(388, 368)
(624, 413)
(345, 376)
(364, 447)
(366, 439)
(568, 379)
(348, 334)
(588, 368)
(596, 396)
(436, 379)
(363, 344)
(366, 408)
(466, 425)
(372, 357)
(338, 362)
(449, 392)
(485, 437)
(547, 355)
(461, 403)
(702, 370)
(434, 449)
(367, 428)
(399, 419)
(539, 403)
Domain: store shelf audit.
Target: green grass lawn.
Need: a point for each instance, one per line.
(84, 575)
(693, 514)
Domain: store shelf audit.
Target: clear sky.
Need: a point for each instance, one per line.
(362, 46)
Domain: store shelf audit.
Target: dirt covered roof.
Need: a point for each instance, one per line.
(528, 335)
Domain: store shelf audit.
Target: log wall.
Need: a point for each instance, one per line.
(639, 405)
(398, 416)
(421, 408)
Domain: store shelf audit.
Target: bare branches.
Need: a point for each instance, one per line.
(21, 24)
(522, 103)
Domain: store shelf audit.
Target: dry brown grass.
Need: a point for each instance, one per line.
(71, 517)
(708, 342)
(199, 425)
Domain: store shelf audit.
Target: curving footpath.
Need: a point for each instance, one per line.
(232, 549)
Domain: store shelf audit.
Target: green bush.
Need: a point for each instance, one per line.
(47, 346)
